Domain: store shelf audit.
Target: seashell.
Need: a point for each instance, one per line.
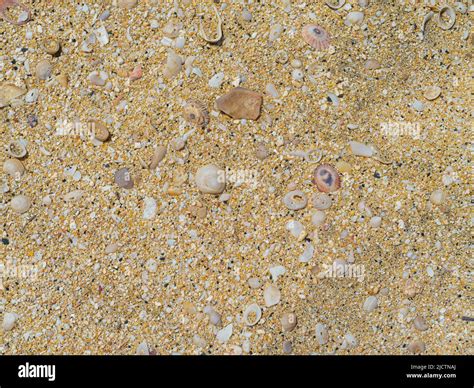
(335, 4)
(281, 56)
(460, 7)
(9, 320)
(288, 321)
(438, 197)
(416, 347)
(44, 70)
(195, 113)
(261, 152)
(372, 64)
(14, 168)
(254, 283)
(252, 314)
(97, 78)
(322, 201)
(218, 35)
(136, 73)
(16, 149)
(326, 178)
(210, 179)
(20, 204)
(426, 19)
(350, 340)
(127, 4)
(150, 208)
(360, 149)
(318, 218)
(410, 288)
(111, 248)
(364, 3)
(371, 303)
(51, 46)
(295, 200)
(158, 155)
(102, 36)
(316, 37)
(271, 295)
(24, 16)
(8, 93)
(296, 228)
(241, 103)
(276, 271)
(287, 347)
(174, 64)
(432, 92)
(355, 17)
(143, 349)
(178, 144)
(99, 130)
(123, 179)
(321, 334)
(450, 13)
(224, 334)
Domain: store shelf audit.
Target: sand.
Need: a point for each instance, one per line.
(90, 275)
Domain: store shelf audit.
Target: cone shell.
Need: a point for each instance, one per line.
(316, 37)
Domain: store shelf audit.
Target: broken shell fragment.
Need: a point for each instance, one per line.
(252, 314)
(218, 35)
(326, 178)
(43, 70)
(210, 179)
(173, 66)
(195, 113)
(432, 92)
(426, 19)
(158, 155)
(8, 93)
(99, 130)
(316, 37)
(360, 149)
(271, 295)
(241, 103)
(16, 149)
(295, 200)
(448, 12)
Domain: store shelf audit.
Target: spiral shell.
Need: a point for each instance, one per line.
(196, 113)
(326, 178)
(316, 37)
(210, 179)
(252, 314)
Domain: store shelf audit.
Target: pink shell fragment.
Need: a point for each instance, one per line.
(316, 37)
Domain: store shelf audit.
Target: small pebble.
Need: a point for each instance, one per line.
(288, 321)
(9, 320)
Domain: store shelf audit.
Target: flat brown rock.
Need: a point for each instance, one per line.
(241, 103)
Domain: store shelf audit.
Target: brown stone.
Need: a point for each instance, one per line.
(241, 103)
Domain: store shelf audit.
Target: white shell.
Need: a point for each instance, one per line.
(288, 321)
(438, 197)
(13, 167)
(296, 228)
(20, 204)
(432, 93)
(16, 149)
(9, 320)
(276, 271)
(150, 208)
(210, 179)
(224, 335)
(252, 314)
(375, 222)
(333, 4)
(295, 200)
(446, 10)
(308, 253)
(271, 295)
(174, 64)
(360, 149)
(142, 349)
(322, 201)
